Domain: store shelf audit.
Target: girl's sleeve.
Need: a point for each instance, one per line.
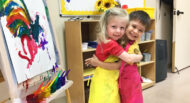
(115, 48)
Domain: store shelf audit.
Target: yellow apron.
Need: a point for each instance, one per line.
(104, 85)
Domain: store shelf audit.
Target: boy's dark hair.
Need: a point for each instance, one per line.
(140, 15)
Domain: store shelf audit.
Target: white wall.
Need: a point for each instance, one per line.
(163, 23)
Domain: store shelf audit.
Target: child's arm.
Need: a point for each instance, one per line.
(94, 61)
(130, 58)
(117, 50)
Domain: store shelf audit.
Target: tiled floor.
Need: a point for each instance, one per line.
(174, 89)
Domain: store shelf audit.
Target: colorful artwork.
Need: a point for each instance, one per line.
(28, 37)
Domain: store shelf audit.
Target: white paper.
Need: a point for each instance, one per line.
(89, 5)
(42, 61)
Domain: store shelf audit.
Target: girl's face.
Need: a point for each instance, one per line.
(134, 30)
(116, 27)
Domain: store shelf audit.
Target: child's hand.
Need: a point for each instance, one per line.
(87, 62)
(94, 61)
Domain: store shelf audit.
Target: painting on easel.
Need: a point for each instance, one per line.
(28, 36)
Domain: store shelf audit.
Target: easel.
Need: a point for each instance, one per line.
(16, 90)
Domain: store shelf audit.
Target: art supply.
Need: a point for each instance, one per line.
(54, 80)
(59, 83)
(63, 82)
(53, 86)
(38, 90)
(32, 99)
(44, 88)
(45, 92)
(67, 72)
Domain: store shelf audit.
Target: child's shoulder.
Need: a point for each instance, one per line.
(109, 42)
(134, 48)
(136, 42)
(112, 41)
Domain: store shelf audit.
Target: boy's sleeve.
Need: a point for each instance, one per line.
(134, 49)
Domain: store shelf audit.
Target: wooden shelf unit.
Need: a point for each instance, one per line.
(89, 50)
(77, 32)
(147, 69)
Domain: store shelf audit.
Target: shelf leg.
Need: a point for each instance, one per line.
(68, 96)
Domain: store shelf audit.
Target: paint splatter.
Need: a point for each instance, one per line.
(25, 84)
(43, 42)
(36, 29)
(68, 1)
(32, 48)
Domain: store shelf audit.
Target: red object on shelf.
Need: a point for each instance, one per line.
(124, 6)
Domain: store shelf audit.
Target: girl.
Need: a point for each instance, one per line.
(129, 80)
(104, 84)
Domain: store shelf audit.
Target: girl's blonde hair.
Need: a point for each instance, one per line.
(112, 12)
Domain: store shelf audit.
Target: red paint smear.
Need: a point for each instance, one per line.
(18, 16)
(17, 11)
(25, 83)
(32, 48)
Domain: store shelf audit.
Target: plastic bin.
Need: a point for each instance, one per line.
(84, 46)
(148, 35)
(142, 37)
(146, 57)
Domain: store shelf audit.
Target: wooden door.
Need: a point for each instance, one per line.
(181, 35)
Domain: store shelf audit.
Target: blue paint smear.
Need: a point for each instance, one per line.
(10, 6)
(43, 43)
(23, 31)
(19, 25)
(36, 29)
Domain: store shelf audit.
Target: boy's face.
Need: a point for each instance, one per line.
(116, 27)
(134, 30)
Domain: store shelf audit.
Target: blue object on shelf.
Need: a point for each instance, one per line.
(92, 44)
